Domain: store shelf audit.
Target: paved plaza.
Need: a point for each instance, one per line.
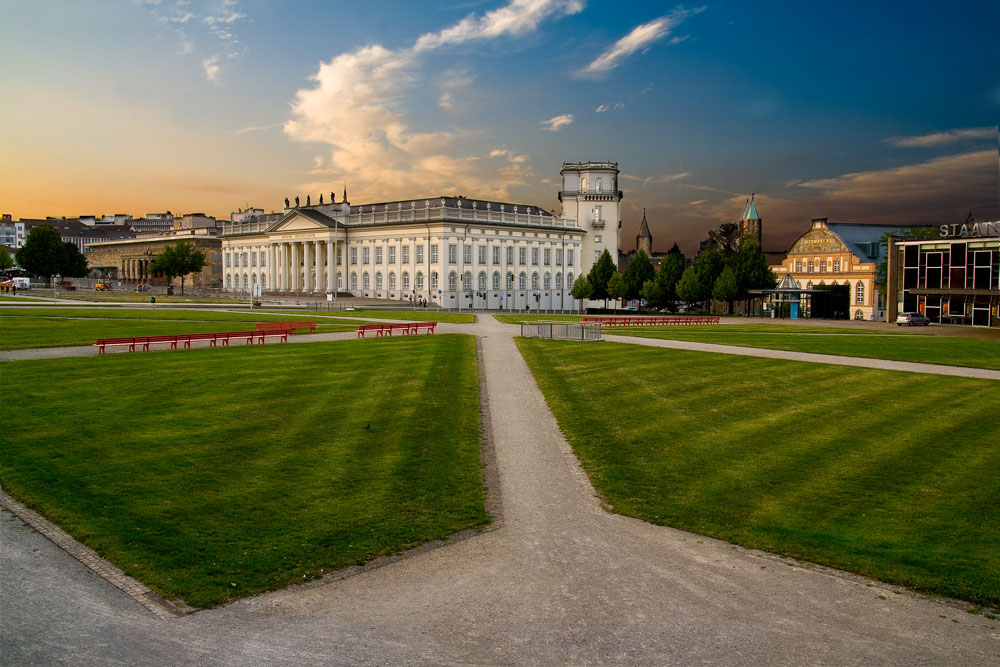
(560, 581)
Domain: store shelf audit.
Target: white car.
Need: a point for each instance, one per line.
(911, 319)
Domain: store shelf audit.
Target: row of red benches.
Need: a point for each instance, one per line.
(650, 321)
(296, 326)
(187, 339)
(387, 329)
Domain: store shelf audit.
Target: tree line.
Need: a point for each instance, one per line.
(726, 270)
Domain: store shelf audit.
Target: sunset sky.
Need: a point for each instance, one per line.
(875, 112)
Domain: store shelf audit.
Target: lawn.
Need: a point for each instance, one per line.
(409, 315)
(22, 328)
(297, 460)
(889, 474)
(868, 343)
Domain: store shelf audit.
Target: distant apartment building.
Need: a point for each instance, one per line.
(70, 230)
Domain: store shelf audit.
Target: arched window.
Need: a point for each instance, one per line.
(419, 280)
(569, 281)
(392, 280)
(253, 279)
(452, 281)
(859, 293)
(598, 185)
(547, 281)
(522, 281)
(245, 282)
(809, 285)
(229, 281)
(263, 281)
(378, 281)
(534, 281)
(406, 280)
(583, 184)
(354, 281)
(558, 281)
(366, 281)
(434, 280)
(496, 280)
(482, 281)
(467, 281)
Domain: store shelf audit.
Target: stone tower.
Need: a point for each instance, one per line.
(644, 240)
(590, 195)
(751, 222)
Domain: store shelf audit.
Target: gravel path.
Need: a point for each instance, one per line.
(559, 582)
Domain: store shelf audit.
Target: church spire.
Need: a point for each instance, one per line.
(644, 239)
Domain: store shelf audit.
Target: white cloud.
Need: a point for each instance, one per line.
(455, 84)
(641, 37)
(257, 128)
(943, 138)
(617, 106)
(212, 69)
(356, 107)
(558, 122)
(657, 179)
(202, 25)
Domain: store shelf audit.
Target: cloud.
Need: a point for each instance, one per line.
(212, 69)
(617, 106)
(657, 179)
(455, 84)
(641, 37)
(356, 106)
(558, 122)
(257, 128)
(202, 25)
(943, 138)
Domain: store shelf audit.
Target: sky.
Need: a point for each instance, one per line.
(871, 112)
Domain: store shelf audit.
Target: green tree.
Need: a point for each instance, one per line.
(671, 269)
(74, 264)
(689, 287)
(582, 289)
(639, 270)
(751, 269)
(600, 274)
(707, 267)
(616, 287)
(726, 238)
(43, 253)
(726, 288)
(6, 261)
(176, 260)
(652, 293)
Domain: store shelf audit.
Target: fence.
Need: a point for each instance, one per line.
(561, 330)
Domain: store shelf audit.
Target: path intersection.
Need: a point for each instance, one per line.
(560, 581)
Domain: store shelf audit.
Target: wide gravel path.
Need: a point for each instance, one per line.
(561, 581)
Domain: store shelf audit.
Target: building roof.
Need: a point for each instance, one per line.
(750, 211)
(644, 228)
(788, 282)
(862, 240)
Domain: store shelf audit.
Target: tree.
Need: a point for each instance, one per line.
(74, 263)
(689, 287)
(582, 289)
(652, 293)
(726, 288)
(616, 286)
(6, 261)
(707, 267)
(726, 238)
(600, 274)
(751, 269)
(671, 269)
(639, 270)
(176, 260)
(45, 254)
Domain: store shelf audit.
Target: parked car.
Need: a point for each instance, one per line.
(911, 319)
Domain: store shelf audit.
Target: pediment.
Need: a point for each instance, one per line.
(817, 240)
(300, 221)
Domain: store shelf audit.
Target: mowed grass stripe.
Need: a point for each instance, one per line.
(250, 466)
(889, 474)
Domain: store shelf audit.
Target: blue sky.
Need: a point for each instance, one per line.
(868, 112)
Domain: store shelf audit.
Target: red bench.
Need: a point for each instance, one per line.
(295, 326)
(650, 321)
(187, 339)
(384, 329)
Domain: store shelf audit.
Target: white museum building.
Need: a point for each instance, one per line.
(452, 251)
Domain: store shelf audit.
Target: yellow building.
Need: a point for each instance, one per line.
(840, 253)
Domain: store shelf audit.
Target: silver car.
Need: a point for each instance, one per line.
(911, 319)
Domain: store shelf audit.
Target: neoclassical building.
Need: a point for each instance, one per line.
(451, 251)
(840, 253)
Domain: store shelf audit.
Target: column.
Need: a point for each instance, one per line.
(307, 264)
(296, 274)
(318, 282)
(270, 268)
(331, 266)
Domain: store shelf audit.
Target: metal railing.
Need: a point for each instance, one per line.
(561, 330)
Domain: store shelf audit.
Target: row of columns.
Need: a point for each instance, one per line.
(290, 266)
(135, 269)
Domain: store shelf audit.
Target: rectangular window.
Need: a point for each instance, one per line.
(452, 253)
(420, 254)
(482, 253)
(534, 256)
(798, 266)
(244, 258)
(522, 255)
(597, 256)
(496, 254)
(558, 256)
(510, 254)
(378, 255)
(405, 253)
(253, 258)
(569, 257)
(836, 266)
(467, 254)
(227, 261)
(354, 255)
(822, 266)
(434, 254)
(812, 266)
(366, 255)
(547, 256)
(392, 255)
(263, 258)
(339, 256)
